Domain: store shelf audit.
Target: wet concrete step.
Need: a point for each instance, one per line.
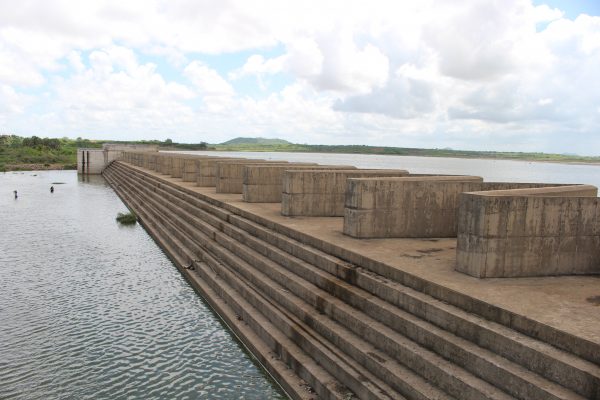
(514, 379)
(233, 309)
(357, 378)
(551, 391)
(455, 380)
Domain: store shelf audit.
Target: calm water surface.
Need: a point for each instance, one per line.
(490, 170)
(90, 309)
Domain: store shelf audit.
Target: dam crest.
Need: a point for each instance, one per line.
(381, 284)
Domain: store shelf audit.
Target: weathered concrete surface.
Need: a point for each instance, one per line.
(424, 206)
(264, 183)
(94, 161)
(417, 206)
(191, 167)
(557, 302)
(230, 173)
(207, 170)
(358, 260)
(322, 192)
(529, 232)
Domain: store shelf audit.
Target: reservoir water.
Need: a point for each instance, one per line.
(490, 170)
(91, 309)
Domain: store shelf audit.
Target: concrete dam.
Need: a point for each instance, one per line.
(350, 283)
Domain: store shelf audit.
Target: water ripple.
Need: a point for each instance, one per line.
(89, 309)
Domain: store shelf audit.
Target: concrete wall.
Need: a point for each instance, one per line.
(535, 232)
(93, 161)
(230, 174)
(321, 192)
(264, 183)
(424, 206)
(90, 161)
(190, 169)
(207, 170)
(419, 206)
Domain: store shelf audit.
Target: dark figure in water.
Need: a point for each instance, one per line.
(15, 192)
(51, 189)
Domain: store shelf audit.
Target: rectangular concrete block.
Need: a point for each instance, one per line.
(230, 174)
(422, 206)
(264, 183)
(529, 232)
(207, 170)
(314, 186)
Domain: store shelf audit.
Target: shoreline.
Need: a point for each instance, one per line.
(572, 162)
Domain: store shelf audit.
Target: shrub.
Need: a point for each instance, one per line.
(126, 218)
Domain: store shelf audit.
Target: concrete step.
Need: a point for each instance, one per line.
(246, 321)
(556, 365)
(514, 379)
(453, 379)
(436, 312)
(359, 379)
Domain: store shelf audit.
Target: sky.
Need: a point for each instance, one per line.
(505, 75)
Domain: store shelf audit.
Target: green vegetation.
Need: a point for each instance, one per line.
(33, 153)
(127, 218)
(245, 144)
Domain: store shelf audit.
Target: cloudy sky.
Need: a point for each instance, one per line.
(468, 74)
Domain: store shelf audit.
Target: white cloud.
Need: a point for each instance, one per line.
(216, 92)
(389, 71)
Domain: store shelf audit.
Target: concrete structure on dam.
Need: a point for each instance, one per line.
(382, 284)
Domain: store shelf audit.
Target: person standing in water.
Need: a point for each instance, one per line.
(15, 192)
(51, 189)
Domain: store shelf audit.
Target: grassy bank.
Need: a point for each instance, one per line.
(35, 153)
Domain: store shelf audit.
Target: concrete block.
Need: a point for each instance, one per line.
(548, 231)
(423, 206)
(316, 186)
(230, 174)
(207, 170)
(264, 183)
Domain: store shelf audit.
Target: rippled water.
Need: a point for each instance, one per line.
(91, 309)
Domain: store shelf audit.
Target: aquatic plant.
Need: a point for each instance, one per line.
(126, 218)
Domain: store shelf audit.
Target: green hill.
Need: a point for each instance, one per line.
(254, 141)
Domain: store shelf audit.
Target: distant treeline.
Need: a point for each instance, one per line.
(26, 153)
(50, 153)
(403, 151)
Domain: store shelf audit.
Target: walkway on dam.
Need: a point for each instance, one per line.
(413, 275)
(560, 301)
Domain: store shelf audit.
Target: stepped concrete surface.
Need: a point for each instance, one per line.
(264, 183)
(335, 317)
(529, 232)
(321, 193)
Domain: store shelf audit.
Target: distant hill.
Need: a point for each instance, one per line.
(255, 141)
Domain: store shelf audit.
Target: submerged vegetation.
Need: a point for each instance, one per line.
(126, 218)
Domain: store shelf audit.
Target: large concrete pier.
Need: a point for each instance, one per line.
(379, 284)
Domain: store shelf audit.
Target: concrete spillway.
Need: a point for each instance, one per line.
(330, 318)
